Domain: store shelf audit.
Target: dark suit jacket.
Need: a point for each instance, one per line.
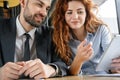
(44, 47)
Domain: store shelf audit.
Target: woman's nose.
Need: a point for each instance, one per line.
(75, 15)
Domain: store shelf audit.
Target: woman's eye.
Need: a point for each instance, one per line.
(80, 12)
(69, 13)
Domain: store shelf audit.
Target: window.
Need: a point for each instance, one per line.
(107, 12)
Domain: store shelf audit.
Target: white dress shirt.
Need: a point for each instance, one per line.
(20, 39)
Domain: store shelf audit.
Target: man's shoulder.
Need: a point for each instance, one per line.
(45, 29)
(6, 21)
(2, 20)
(7, 25)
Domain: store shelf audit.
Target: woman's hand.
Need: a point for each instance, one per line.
(84, 51)
(115, 66)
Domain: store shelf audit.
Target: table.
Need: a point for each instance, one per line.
(84, 77)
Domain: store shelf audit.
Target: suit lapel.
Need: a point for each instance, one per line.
(8, 41)
(41, 46)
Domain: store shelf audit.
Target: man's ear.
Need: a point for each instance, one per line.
(22, 3)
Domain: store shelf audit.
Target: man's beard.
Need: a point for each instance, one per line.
(30, 19)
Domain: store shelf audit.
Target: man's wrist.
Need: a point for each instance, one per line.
(57, 71)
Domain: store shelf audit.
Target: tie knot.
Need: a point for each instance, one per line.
(27, 35)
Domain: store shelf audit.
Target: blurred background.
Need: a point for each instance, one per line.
(108, 11)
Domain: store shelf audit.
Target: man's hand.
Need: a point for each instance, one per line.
(37, 69)
(10, 71)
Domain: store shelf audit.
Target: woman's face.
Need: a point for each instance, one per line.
(75, 14)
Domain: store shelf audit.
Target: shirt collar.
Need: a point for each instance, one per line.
(21, 31)
(88, 36)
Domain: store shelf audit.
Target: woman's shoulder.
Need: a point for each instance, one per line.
(103, 28)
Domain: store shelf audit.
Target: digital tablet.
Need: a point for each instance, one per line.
(113, 51)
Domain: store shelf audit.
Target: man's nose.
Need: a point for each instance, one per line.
(43, 12)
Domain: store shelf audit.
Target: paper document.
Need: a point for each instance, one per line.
(111, 52)
(106, 75)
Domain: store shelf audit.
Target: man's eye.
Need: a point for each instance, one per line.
(40, 5)
(47, 9)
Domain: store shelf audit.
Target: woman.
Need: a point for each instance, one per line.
(75, 27)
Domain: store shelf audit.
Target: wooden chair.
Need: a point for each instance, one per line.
(9, 8)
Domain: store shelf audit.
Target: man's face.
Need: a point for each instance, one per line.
(35, 11)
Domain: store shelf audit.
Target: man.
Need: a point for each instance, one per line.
(43, 63)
